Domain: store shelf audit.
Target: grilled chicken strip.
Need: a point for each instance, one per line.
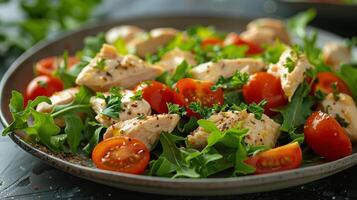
(266, 31)
(108, 69)
(58, 98)
(211, 71)
(150, 43)
(147, 130)
(130, 109)
(125, 32)
(175, 57)
(343, 108)
(334, 54)
(290, 80)
(261, 132)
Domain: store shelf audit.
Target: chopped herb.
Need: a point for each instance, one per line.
(137, 96)
(100, 64)
(141, 117)
(319, 95)
(113, 103)
(335, 91)
(176, 109)
(204, 111)
(234, 82)
(256, 109)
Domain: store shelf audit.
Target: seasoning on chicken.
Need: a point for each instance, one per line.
(211, 71)
(261, 132)
(266, 31)
(108, 69)
(290, 68)
(334, 54)
(125, 32)
(147, 130)
(150, 43)
(130, 109)
(343, 108)
(175, 57)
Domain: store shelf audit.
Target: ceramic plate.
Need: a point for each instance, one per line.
(20, 73)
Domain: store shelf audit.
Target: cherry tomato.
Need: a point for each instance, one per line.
(212, 41)
(156, 94)
(122, 154)
(278, 159)
(234, 38)
(189, 90)
(325, 80)
(261, 86)
(43, 86)
(326, 137)
(48, 66)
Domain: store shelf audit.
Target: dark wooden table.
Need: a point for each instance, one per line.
(23, 176)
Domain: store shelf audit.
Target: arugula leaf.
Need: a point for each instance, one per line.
(120, 45)
(273, 52)
(298, 23)
(182, 71)
(58, 141)
(137, 96)
(62, 73)
(113, 103)
(234, 82)
(348, 73)
(297, 111)
(94, 140)
(73, 130)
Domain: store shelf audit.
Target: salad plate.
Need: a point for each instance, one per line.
(20, 74)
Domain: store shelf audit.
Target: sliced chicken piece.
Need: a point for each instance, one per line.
(58, 98)
(261, 132)
(266, 31)
(334, 54)
(149, 44)
(343, 107)
(125, 32)
(175, 57)
(211, 71)
(290, 80)
(147, 130)
(130, 109)
(108, 69)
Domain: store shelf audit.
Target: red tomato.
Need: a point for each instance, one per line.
(212, 41)
(122, 154)
(189, 90)
(157, 94)
(265, 86)
(325, 81)
(48, 66)
(43, 86)
(326, 137)
(234, 38)
(278, 159)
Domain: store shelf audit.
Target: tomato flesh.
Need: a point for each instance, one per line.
(122, 154)
(211, 41)
(157, 95)
(326, 137)
(262, 86)
(234, 38)
(189, 90)
(43, 86)
(278, 159)
(49, 65)
(325, 80)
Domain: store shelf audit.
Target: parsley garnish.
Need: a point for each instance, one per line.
(137, 96)
(256, 109)
(100, 64)
(176, 109)
(204, 111)
(113, 103)
(319, 95)
(335, 91)
(234, 82)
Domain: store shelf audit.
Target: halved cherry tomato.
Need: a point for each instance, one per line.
(326, 137)
(211, 41)
(157, 94)
(325, 80)
(189, 90)
(278, 159)
(234, 38)
(261, 86)
(43, 86)
(48, 66)
(122, 154)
